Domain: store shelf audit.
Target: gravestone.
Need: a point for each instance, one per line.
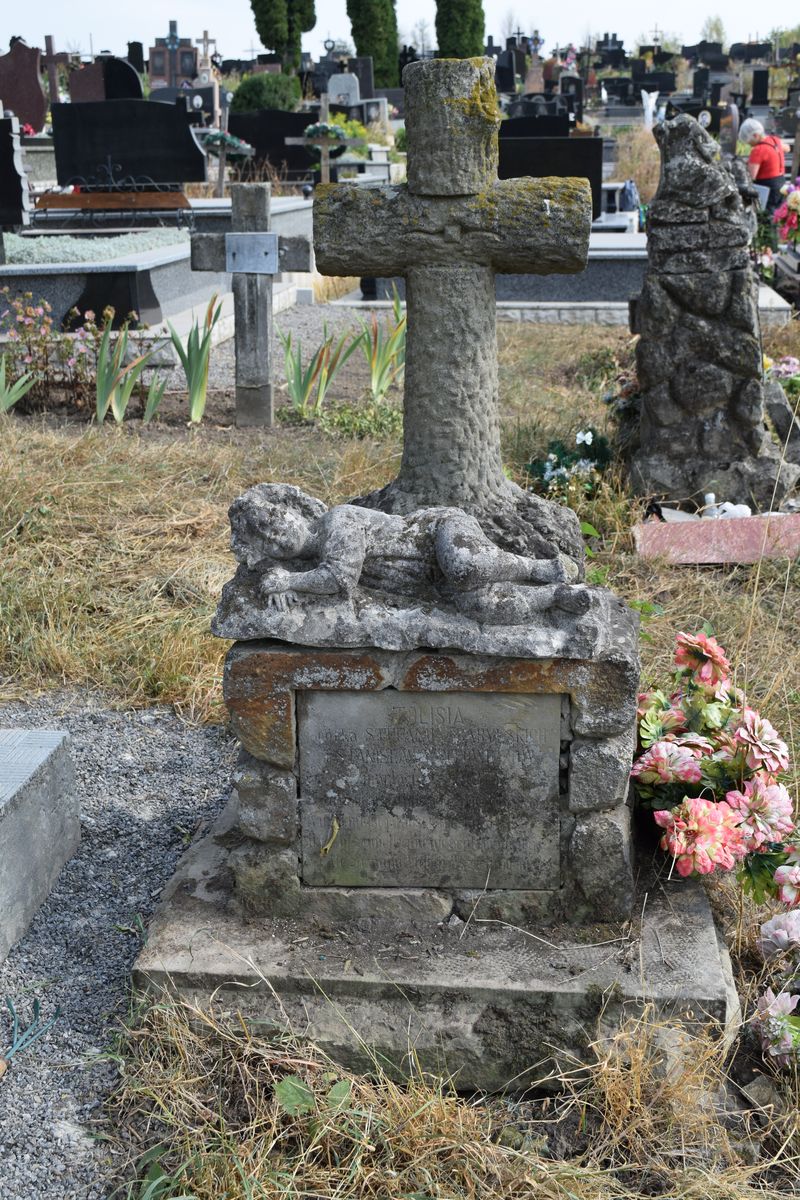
(702, 423)
(20, 86)
(435, 713)
(760, 96)
(268, 131)
(253, 256)
(107, 78)
(110, 143)
(39, 823)
(343, 89)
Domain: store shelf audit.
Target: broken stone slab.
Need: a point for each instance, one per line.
(492, 1006)
(39, 823)
(741, 540)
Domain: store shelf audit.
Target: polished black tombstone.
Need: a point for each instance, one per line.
(580, 157)
(266, 130)
(545, 126)
(760, 96)
(126, 144)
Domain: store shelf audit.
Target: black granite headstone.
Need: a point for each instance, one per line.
(760, 95)
(15, 202)
(504, 74)
(580, 157)
(700, 82)
(124, 144)
(266, 130)
(136, 56)
(545, 126)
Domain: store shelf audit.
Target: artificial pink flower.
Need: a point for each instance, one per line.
(695, 743)
(764, 748)
(776, 1028)
(701, 836)
(703, 656)
(787, 878)
(780, 934)
(667, 762)
(765, 808)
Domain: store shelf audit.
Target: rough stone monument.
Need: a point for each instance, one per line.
(429, 840)
(702, 424)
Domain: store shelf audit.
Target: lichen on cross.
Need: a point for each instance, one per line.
(448, 232)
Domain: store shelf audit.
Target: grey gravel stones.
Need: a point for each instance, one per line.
(147, 783)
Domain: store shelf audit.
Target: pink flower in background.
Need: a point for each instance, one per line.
(703, 656)
(780, 935)
(667, 762)
(701, 836)
(765, 808)
(776, 1026)
(763, 747)
(787, 878)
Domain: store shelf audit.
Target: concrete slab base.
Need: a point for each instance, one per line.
(39, 823)
(493, 1005)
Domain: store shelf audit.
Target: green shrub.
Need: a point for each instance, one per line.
(400, 139)
(354, 130)
(266, 91)
(374, 420)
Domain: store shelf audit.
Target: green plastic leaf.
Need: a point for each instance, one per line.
(294, 1096)
(588, 530)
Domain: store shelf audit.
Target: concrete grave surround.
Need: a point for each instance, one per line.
(436, 714)
(702, 426)
(39, 823)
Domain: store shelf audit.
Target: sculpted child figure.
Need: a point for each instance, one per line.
(436, 554)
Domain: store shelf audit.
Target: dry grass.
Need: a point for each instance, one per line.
(201, 1087)
(638, 159)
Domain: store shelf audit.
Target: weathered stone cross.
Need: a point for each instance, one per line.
(448, 232)
(253, 255)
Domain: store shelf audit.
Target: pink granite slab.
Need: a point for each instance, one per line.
(723, 540)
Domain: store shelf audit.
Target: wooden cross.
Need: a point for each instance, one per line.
(51, 60)
(253, 255)
(447, 233)
(325, 141)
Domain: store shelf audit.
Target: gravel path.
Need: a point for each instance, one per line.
(147, 782)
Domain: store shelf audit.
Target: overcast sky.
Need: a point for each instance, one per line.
(111, 25)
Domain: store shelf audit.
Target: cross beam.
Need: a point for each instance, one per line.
(448, 232)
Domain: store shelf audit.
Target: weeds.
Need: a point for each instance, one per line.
(385, 352)
(302, 384)
(195, 358)
(10, 393)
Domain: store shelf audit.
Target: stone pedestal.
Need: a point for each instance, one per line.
(428, 783)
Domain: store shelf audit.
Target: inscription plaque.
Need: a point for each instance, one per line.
(444, 789)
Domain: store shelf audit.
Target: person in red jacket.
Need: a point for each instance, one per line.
(766, 163)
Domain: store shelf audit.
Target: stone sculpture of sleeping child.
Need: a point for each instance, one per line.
(435, 554)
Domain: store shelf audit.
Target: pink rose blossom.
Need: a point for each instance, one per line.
(765, 808)
(695, 743)
(703, 656)
(764, 748)
(667, 762)
(701, 836)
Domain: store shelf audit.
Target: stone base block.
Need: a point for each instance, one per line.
(39, 823)
(493, 1005)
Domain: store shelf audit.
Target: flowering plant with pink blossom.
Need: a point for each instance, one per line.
(708, 766)
(63, 361)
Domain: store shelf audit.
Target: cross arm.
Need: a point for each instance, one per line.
(208, 253)
(527, 226)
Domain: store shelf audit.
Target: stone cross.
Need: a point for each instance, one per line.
(206, 42)
(253, 255)
(448, 232)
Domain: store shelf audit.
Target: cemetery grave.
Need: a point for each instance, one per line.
(279, 833)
